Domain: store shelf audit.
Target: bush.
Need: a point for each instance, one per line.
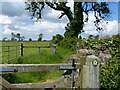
(10, 77)
(69, 43)
(57, 39)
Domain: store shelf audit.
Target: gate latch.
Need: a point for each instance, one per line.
(66, 68)
(4, 70)
(72, 69)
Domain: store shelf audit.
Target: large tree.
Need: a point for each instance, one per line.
(40, 37)
(12, 36)
(76, 18)
(18, 36)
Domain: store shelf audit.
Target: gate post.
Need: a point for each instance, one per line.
(90, 73)
(21, 50)
(8, 54)
(54, 48)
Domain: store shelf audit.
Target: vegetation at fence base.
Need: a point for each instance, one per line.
(46, 56)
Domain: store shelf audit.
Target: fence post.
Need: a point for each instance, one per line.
(21, 50)
(77, 47)
(16, 51)
(54, 48)
(8, 53)
(90, 73)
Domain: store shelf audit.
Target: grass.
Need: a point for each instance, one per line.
(31, 56)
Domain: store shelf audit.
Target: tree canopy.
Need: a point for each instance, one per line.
(18, 36)
(76, 18)
(40, 37)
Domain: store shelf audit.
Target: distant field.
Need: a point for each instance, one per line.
(31, 56)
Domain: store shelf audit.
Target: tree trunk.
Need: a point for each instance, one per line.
(78, 17)
(74, 28)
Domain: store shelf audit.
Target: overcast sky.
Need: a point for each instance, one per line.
(14, 18)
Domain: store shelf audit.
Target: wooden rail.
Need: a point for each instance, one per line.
(42, 85)
(36, 46)
(36, 67)
(10, 46)
(6, 85)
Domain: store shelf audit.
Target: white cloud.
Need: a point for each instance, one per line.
(48, 25)
(23, 26)
(71, 5)
(110, 29)
(13, 0)
(4, 19)
(54, 13)
(8, 31)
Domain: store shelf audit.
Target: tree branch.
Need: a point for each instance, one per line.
(51, 5)
(61, 7)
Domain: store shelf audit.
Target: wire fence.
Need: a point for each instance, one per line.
(9, 52)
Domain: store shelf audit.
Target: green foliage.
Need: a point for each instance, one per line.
(57, 38)
(9, 77)
(4, 39)
(70, 43)
(90, 37)
(40, 37)
(72, 29)
(30, 39)
(18, 36)
(110, 76)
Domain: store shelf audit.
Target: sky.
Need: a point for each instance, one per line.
(14, 18)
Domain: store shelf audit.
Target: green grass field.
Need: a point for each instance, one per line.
(31, 56)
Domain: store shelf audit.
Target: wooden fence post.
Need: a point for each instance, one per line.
(8, 53)
(16, 52)
(90, 73)
(21, 50)
(54, 48)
